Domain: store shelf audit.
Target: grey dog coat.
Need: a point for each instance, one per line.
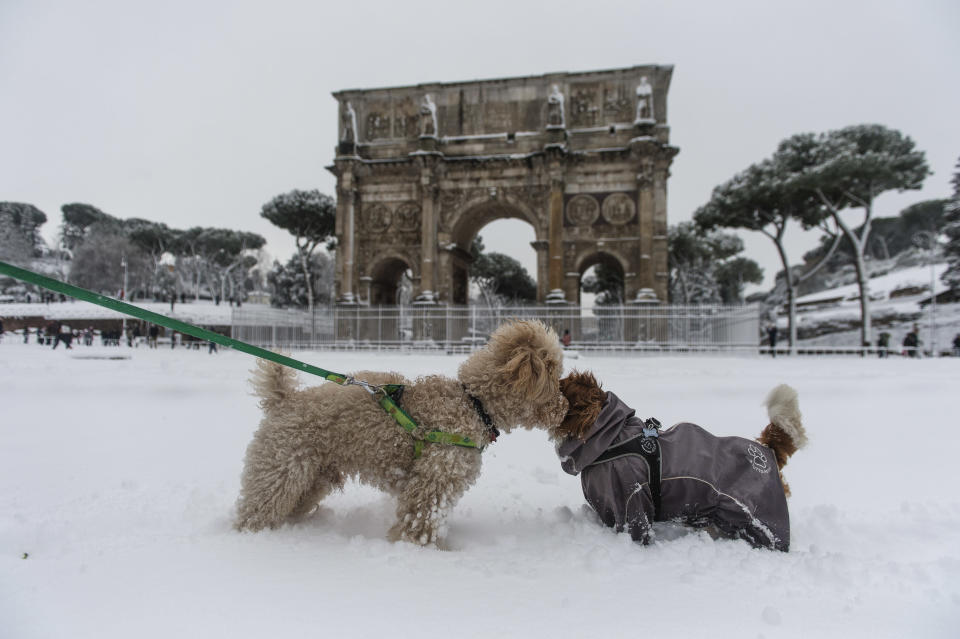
(729, 482)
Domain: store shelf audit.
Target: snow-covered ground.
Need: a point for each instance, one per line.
(118, 480)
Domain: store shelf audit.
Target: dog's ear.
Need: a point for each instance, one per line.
(529, 371)
(585, 398)
(530, 358)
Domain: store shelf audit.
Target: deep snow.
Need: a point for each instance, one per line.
(118, 478)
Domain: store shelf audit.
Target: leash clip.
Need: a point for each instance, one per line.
(370, 388)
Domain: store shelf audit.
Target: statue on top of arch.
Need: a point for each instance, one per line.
(644, 102)
(348, 121)
(428, 117)
(555, 116)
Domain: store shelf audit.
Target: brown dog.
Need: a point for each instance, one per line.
(633, 474)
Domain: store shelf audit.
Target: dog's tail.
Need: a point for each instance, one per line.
(273, 383)
(785, 433)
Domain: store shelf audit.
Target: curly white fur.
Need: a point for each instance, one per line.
(311, 440)
(783, 407)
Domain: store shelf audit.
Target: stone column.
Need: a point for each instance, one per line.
(571, 286)
(555, 237)
(645, 207)
(542, 247)
(428, 241)
(346, 211)
(660, 257)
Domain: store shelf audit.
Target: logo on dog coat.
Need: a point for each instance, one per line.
(758, 459)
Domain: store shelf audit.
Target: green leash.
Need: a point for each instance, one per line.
(381, 394)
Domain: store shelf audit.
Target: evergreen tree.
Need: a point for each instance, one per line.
(97, 264)
(952, 230)
(20, 239)
(80, 220)
(606, 282)
(310, 217)
(499, 277)
(703, 266)
(288, 286)
(761, 199)
(733, 274)
(847, 169)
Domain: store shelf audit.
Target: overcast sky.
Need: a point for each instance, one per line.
(197, 113)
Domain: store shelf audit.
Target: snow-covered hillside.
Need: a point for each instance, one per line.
(887, 287)
(118, 480)
(831, 317)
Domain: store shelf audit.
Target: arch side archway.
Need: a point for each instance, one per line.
(384, 281)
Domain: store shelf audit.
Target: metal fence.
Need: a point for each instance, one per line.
(660, 328)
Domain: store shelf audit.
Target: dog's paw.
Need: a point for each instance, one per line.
(417, 529)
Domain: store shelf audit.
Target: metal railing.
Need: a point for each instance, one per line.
(656, 328)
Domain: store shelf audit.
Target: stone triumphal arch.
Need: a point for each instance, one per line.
(582, 157)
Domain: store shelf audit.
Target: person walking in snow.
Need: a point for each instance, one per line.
(911, 341)
(63, 335)
(883, 345)
(956, 345)
(772, 336)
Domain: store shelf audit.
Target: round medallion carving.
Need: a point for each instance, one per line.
(618, 208)
(407, 217)
(583, 210)
(376, 218)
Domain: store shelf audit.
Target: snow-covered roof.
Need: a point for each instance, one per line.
(206, 313)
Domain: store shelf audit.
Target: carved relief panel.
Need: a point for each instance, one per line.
(583, 210)
(618, 209)
(590, 209)
(584, 107)
(378, 125)
(617, 104)
(407, 217)
(376, 218)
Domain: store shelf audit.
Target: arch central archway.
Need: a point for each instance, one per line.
(614, 266)
(469, 226)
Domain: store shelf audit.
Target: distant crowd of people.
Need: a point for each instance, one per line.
(48, 298)
(55, 333)
(911, 345)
